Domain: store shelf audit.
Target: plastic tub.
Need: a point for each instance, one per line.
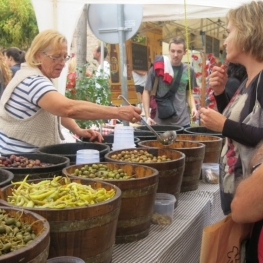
(87, 156)
(65, 260)
(210, 173)
(163, 209)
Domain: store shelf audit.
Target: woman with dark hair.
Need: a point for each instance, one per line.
(236, 74)
(14, 57)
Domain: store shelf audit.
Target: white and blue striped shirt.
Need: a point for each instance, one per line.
(23, 104)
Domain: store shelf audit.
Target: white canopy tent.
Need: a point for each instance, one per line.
(63, 15)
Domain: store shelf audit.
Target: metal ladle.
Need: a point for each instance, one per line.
(166, 138)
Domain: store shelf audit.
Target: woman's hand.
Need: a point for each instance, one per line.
(217, 79)
(212, 119)
(129, 113)
(91, 134)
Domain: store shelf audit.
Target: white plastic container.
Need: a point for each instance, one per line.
(123, 138)
(87, 156)
(163, 209)
(210, 173)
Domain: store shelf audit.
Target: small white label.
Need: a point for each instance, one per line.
(129, 23)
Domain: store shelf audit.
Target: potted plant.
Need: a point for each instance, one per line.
(94, 88)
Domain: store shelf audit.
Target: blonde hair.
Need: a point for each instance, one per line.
(248, 21)
(5, 70)
(44, 41)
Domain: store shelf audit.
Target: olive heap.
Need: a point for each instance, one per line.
(57, 193)
(101, 171)
(139, 156)
(14, 233)
(20, 162)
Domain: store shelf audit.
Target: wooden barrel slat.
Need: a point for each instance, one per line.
(213, 145)
(139, 192)
(131, 222)
(68, 226)
(137, 199)
(194, 156)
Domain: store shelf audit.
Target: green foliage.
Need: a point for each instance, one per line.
(92, 88)
(18, 25)
(139, 39)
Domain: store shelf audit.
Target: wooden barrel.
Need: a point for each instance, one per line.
(137, 199)
(202, 130)
(213, 145)
(87, 232)
(57, 163)
(37, 250)
(170, 172)
(70, 149)
(5, 177)
(194, 156)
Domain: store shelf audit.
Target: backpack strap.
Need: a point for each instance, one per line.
(155, 84)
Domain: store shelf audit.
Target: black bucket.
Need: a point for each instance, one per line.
(57, 163)
(162, 128)
(144, 135)
(5, 177)
(109, 139)
(70, 149)
(202, 130)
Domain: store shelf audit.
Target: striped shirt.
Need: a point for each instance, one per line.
(23, 104)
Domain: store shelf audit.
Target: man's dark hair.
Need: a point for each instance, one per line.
(177, 40)
(105, 51)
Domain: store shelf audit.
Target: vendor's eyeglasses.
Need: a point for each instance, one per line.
(58, 59)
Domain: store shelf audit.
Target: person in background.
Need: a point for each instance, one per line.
(14, 57)
(139, 78)
(105, 71)
(5, 74)
(32, 109)
(247, 206)
(239, 119)
(236, 74)
(183, 98)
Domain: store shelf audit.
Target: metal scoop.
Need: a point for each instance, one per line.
(166, 138)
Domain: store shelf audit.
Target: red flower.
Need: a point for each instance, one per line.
(195, 57)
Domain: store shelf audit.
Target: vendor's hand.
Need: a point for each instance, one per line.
(91, 134)
(150, 121)
(212, 119)
(217, 79)
(129, 113)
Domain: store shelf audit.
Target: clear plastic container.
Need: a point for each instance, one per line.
(123, 135)
(87, 156)
(210, 173)
(65, 259)
(163, 209)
